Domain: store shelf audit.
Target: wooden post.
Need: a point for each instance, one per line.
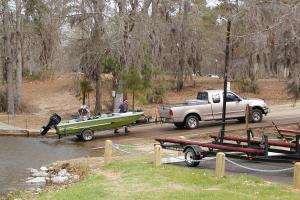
(247, 117)
(108, 152)
(297, 175)
(220, 165)
(157, 156)
(180, 153)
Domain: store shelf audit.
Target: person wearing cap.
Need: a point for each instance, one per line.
(84, 113)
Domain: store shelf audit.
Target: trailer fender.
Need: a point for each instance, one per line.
(196, 148)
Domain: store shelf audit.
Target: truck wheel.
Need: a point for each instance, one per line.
(87, 134)
(192, 122)
(179, 125)
(190, 155)
(256, 115)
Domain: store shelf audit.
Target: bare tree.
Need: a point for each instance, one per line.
(8, 57)
(99, 46)
(19, 54)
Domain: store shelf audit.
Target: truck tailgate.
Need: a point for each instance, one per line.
(164, 111)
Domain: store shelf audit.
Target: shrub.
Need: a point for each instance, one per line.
(248, 85)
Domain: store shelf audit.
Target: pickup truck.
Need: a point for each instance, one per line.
(208, 106)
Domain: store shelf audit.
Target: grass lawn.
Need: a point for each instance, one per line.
(136, 179)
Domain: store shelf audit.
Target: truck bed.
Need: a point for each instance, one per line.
(187, 103)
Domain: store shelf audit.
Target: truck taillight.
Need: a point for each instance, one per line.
(170, 113)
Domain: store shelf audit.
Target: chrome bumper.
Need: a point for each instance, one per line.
(166, 120)
(266, 110)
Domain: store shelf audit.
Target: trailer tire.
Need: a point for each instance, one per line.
(190, 155)
(191, 122)
(87, 134)
(256, 115)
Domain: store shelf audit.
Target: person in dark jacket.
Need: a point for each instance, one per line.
(123, 108)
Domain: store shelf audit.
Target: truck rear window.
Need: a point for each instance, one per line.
(202, 96)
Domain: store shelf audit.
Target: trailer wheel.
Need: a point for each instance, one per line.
(190, 155)
(87, 134)
(192, 122)
(256, 115)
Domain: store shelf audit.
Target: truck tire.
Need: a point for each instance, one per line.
(191, 122)
(256, 115)
(179, 125)
(87, 134)
(190, 155)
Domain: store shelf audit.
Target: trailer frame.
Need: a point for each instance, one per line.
(266, 149)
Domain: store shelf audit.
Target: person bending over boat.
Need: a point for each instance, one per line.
(123, 108)
(84, 113)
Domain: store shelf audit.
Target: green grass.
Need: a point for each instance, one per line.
(136, 179)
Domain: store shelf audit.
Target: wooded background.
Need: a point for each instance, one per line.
(143, 42)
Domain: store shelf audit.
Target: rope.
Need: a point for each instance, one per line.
(259, 170)
(202, 160)
(117, 147)
(134, 146)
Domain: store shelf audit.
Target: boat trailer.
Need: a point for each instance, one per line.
(237, 147)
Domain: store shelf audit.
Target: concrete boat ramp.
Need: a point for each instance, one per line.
(9, 130)
(6, 129)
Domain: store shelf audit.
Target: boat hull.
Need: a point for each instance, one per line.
(100, 123)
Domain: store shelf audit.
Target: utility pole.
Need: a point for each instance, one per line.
(222, 132)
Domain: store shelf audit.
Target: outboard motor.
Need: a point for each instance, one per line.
(53, 121)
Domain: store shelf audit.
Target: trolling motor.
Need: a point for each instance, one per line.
(53, 121)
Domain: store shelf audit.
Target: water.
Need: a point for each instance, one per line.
(19, 153)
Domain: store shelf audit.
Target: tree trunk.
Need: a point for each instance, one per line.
(182, 47)
(98, 42)
(98, 107)
(133, 100)
(8, 58)
(19, 55)
(83, 98)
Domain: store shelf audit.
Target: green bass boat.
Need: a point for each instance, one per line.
(85, 129)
